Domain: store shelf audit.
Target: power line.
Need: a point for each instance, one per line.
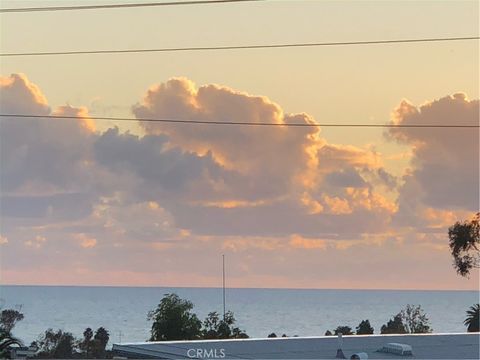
(244, 123)
(119, 6)
(241, 47)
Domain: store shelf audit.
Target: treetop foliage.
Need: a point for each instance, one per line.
(411, 320)
(364, 328)
(8, 319)
(465, 244)
(344, 330)
(174, 320)
(473, 318)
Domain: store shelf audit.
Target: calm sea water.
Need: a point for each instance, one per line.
(123, 310)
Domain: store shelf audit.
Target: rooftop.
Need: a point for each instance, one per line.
(425, 346)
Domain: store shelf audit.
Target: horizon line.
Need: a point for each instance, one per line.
(232, 288)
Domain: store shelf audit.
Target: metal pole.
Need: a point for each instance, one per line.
(223, 263)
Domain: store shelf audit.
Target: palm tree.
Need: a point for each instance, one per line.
(7, 340)
(473, 318)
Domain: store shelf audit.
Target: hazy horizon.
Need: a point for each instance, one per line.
(232, 288)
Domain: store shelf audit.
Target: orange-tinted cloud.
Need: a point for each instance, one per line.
(82, 114)
(272, 159)
(283, 203)
(293, 164)
(19, 95)
(444, 174)
(41, 155)
(86, 241)
(300, 242)
(36, 243)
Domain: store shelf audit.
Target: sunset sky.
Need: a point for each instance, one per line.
(87, 202)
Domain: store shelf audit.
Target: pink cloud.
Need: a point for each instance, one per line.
(285, 205)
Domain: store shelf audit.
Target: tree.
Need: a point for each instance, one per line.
(464, 245)
(364, 328)
(8, 319)
(100, 341)
(47, 342)
(86, 343)
(473, 318)
(394, 326)
(415, 320)
(328, 333)
(211, 326)
(173, 320)
(7, 340)
(411, 320)
(272, 335)
(344, 330)
(56, 345)
(65, 348)
(216, 328)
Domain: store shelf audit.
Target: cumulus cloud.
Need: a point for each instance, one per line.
(444, 168)
(185, 192)
(271, 159)
(275, 167)
(198, 173)
(127, 224)
(41, 155)
(165, 171)
(19, 95)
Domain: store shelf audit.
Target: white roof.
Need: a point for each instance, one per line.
(424, 346)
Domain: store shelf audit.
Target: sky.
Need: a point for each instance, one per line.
(87, 202)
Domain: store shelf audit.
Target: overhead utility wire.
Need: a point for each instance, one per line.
(243, 123)
(119, 6)
(242, 47)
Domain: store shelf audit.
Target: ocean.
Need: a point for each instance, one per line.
(123, 310)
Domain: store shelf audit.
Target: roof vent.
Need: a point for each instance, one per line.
(397, 349)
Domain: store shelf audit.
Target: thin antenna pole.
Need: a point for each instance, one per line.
(223, 268)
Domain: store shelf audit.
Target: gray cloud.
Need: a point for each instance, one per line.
(444, 170)
(345, 178)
